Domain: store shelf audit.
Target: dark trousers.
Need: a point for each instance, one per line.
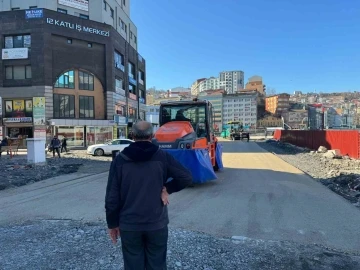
(144, 250)
(64, 147)
(57, 149)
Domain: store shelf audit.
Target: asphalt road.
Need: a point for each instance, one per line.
(257, 196)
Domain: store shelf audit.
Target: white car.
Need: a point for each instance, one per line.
(107, 148)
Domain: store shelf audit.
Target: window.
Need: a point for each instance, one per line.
(135, 40)
(132, 89)
(69, 41)
(141, 93)
(119, 84)
(64, 106)
(20, 41)
(86, 107)
(66, 80)
(86, 81)
(131, 35)
(62, 10)
(105, 5)
(18, 72)
(112, 13)
(83, 16)
(119, 61)
(120, 109)
(123, 1)
(131, 67)
(123, 25)
(132, 112)
(32, 7)
(141, 76)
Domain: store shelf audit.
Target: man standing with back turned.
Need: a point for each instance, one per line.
(136, 199)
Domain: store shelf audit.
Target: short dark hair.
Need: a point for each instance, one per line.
(142, 130)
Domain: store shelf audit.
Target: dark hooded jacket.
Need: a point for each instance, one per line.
(136, 178)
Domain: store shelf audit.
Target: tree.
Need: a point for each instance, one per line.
(271, 91)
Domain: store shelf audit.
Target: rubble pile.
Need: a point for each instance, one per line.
(339, 173)
(17, 172)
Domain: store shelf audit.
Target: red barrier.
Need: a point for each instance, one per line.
(347, 141)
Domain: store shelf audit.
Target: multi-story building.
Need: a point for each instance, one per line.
(70, 67)
(216, 99)
(255, 83)
(269, 121)
(277, 104)
(240, 107)
(231, 81)
(152, 114)
(195, 87)
(296, 119)
(211, 83)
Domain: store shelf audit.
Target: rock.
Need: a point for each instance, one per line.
(312, 152)
(178, 264)
(329, 155)
(322, 149)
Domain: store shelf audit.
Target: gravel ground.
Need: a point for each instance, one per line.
(17, 172)
(61, 244)
(341, 175)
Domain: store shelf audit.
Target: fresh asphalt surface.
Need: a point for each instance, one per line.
(257, 196)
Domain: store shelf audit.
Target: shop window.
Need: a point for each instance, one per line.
(66, 80)
(18, 108)
(86, 107)
(64, 106)
(18, 72)
(119, 60)
(86, 81)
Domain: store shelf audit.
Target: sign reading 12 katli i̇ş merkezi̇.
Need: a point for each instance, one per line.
(78, 27)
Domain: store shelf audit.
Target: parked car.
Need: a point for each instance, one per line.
(107, 148)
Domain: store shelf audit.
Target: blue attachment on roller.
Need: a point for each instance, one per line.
(197, 161)
(218, 156)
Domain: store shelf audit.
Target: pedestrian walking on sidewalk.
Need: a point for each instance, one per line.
(137, 198)
(4, 142)
(64, 144)
(55, 145)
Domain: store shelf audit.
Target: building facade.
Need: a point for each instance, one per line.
(195, 87)
(277, 104)
(216, 99)
(91, 80)
(240, 107)
(255, 83)
(211, 83)
(112, 12)
(232, 81)
(269, 121)
(296, 119)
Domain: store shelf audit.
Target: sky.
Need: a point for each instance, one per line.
(307, 45)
